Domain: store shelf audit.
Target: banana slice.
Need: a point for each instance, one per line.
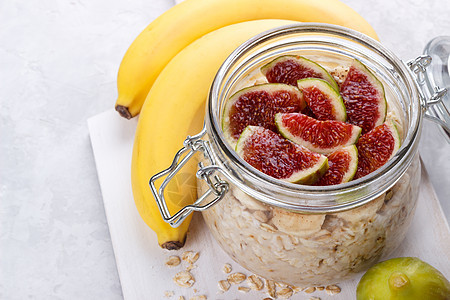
(363, 213)
(247, 201)
(295, 223)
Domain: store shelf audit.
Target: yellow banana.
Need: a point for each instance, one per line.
(191, 19)
(174, 109)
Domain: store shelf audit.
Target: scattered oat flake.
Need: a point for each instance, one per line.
(267, 299)
(310, 290)
(224, 285)
(314, 298)
(297, 289)
(190, 267)
(198, 297)
(236, 278)
(280, 285)
(195, 291)
(181, 298)
(168, 294)
(255, 283)
(184, 279)
(320, 288)
(284, 293)
(332, 290)
(173, 261)
(270, 288)
(226, 268)
(243, 289)
(190, 256)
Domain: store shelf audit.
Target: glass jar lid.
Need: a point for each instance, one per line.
(436, 82)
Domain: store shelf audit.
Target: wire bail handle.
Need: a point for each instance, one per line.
(433, 104)
(217, 187)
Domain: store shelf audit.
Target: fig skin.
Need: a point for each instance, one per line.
(403, 278)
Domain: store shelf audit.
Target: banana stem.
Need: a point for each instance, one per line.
(123, 111)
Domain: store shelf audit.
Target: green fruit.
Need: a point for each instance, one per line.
(275, 156)
(403, 278)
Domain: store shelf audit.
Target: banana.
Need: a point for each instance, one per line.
(297, 224)
(174, 109)
(182, 24)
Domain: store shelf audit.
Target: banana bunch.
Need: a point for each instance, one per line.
(168, 71)
(166, 36)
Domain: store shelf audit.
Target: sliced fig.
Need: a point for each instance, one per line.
(319, 136)
(376, 147)
(323, 100)
(275, 156)
(289, 69)
(343, 164)
(257, 106)
(364, 98)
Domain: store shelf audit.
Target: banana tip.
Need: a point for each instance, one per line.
(172, 245)
(123, 111)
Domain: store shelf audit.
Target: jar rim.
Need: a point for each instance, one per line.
(360, 186)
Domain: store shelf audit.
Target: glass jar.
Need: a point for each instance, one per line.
(297, 234)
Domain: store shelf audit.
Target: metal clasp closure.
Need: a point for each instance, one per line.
(217, 187)
(431, 94)
(419, 64)
(437, 96)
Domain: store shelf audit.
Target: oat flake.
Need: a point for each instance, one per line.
(270, 288)
(226, 268)
(168, 294)
(236, 278)
(190, 267)
(332, 290)
(255, 283)
(266, 227)
(224, 285)
(173, 261)
(284, 293)
(190, 256)
(184, 279)
(310, 290)
(243, 289)
(199, 297)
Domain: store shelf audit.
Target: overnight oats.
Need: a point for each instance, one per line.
(309, 170)
(318, 122)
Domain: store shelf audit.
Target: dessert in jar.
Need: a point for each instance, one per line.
(301, 248)
(296, 229)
